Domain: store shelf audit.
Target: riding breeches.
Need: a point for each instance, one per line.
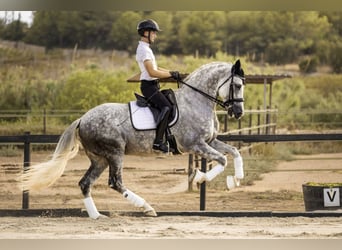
(150, 89)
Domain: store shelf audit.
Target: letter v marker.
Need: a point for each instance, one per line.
(331, 197)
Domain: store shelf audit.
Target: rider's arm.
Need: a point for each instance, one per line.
(158, 73)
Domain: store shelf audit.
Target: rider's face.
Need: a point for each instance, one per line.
(153, 35)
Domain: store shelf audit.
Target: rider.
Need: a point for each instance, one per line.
(150, 73)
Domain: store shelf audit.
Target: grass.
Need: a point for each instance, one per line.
(10, 151)
(281, 195)
(308, 148)
(34, 126)
(328, 185)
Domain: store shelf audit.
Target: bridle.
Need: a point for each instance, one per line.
(224, 104)
(231, 99)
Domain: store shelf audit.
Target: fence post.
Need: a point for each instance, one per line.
(240, 133)
(259, 120)
(203, 186)
(268, 120)
(250, 130)
(275, 117)
(225, 123)
(44, 121)
(27, 159)
(190, 170)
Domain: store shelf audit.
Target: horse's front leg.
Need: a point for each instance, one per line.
(205, 151)
(227, 149)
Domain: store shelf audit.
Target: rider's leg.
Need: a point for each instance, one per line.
(159, 143)
(152, 93)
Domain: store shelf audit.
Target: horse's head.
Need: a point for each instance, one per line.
(231, 91)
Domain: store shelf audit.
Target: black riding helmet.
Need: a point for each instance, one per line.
(148, 25)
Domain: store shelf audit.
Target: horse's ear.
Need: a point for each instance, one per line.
(237, 70)
(237, 65)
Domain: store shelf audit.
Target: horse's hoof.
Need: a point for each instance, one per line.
(101, 217)
(150, 213)
(98, 217)
(232, 182)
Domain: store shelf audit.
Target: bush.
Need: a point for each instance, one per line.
(85, 89)
(308, 65)
(282, 51)
(336, 58)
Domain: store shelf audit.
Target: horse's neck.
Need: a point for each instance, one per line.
(189, 97)
(205, 80)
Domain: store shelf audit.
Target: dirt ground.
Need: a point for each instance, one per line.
(162, 181)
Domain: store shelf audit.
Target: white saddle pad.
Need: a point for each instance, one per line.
(142, 117)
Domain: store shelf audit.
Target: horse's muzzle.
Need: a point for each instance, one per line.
(236, 110)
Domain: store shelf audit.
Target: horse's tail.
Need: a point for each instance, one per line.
(46, 173)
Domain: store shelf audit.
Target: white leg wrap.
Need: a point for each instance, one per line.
(232, 182)
(136, 200)
(199, 177)
(91, 208)
(238, 166)
(215, 171)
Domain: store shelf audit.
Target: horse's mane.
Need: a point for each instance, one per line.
(197, 74)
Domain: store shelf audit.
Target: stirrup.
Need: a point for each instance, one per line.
(164, 147)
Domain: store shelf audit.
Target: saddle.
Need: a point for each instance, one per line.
(145, 116)
(170, 95)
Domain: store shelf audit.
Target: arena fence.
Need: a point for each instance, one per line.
(27, 139)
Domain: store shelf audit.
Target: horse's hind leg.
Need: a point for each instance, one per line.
(115, 182)
(95, 170)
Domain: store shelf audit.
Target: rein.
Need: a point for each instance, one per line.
(223, 104)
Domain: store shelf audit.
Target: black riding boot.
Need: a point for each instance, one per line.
(158, 143)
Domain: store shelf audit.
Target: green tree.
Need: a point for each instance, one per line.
(123, 34)
(335, 19)
(14, 31)
(282, 51)
(2, 26)
(241, 37)
(282, 36)
(270, 36)
(95, 28)
(201, 32)
(88, 29)
(336, 57)
(69, 25)
(44, 29)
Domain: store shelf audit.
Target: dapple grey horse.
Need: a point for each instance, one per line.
(106, 134)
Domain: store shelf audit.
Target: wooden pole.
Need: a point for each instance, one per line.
(190, 170)
(27, 159)
(203, 186)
